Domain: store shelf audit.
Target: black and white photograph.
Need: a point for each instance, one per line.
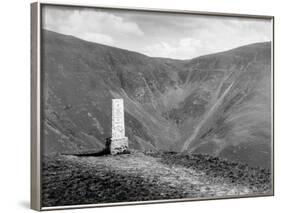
(141, 106)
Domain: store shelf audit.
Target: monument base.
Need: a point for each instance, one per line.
(118, 146)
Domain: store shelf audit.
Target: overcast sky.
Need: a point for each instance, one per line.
(156, 34)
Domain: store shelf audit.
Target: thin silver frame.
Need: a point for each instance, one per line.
(36, 27)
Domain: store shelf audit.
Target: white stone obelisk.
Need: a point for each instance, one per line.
(119, 143)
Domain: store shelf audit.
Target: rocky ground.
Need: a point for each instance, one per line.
(70, 179)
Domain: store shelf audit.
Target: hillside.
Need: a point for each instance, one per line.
(70, 180)
(216, 104)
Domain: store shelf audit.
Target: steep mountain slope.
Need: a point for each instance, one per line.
(81, 79)
(216, 104)
(236, 122)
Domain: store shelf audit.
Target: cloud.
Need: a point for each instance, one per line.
(98, 37)
(182, 49)
(205, 35)
(181, 36)
(91, 25)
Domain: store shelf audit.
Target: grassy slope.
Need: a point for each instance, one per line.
(69, 180)
(81, 78)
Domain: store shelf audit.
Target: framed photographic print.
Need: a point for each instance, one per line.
(134, 105)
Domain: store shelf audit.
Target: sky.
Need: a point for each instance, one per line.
(156, 34)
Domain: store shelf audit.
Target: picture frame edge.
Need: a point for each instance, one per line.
(35, 157)
(35, 67)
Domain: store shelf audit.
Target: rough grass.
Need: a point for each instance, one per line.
(256, 178)
(70, 180)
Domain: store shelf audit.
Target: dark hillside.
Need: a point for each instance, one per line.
(71, 180)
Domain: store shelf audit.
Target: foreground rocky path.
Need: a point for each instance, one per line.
(69, 180)
(171, 175)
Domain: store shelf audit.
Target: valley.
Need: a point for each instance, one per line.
(218, 104)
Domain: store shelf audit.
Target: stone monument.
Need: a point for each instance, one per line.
(118, 141)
